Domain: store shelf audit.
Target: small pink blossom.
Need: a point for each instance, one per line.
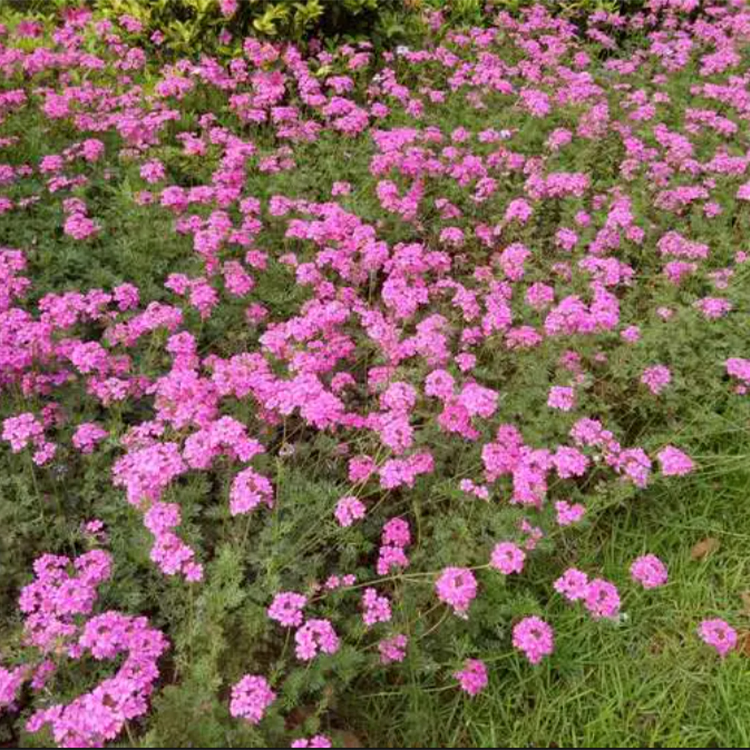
(631, 334)
(534, 637)
(719, 634)
(318, 740)
(315, 636)
(602, 600)
(396, 532)
(375, 608)
(473, 677)
(286, 608)
(348, 510)
(251, 697)
(649, 571)
(674, 462)
(561, 397)
(249, 489)
(457, 587)
(507, 558)
(393, 649)
(568, 514)
(573, 584)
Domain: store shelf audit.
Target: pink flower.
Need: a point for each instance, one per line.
(539, 296)
(80, 227)
(457, 587)
(568, 514)
(21, 430)
(534, 637)
(393, 649)
(713, 308)
(390, 557)
(719, 634)
(439, 384)
(101, 714)
(319, 740)
(348, 510)
(11, 681)
(376, 608)
(251, 697)
(87, 435)
(396, 532)
(656, 378)
(315, 636)
(664, 313)
(649, 571)
(228, 7)
(286, 608)
(739, 368)
(473, 677)
(507, 558)
(570, 462)
(452, 236)
(561, 397)
(153, 171)
(573, 584)
(674, 462)
(631, 334)
(602, 599)
(249, 489)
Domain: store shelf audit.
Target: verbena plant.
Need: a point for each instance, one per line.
(318, 368)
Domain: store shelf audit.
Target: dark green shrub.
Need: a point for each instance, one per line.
(192, 26)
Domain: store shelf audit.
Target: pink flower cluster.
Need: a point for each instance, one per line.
(286, 608)
(99, 716)
(395, 537)
(25, 429)
(507, 558)
(600, 597)
(656, 378)
(375, 608)
(58, 621)
(473, 677)
(568, 514)
(251, 697)
(62, 590)
(393, 649)
(674, 462)
(318, 740)
(249, 490)
(649, 571)
(348, 510)
(534, 637)
(719, 634)
(315, 636)
(87, 436)
(457, 587)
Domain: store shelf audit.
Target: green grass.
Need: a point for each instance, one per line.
(647, 681)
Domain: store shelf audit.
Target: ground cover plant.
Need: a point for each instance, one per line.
(364, 397)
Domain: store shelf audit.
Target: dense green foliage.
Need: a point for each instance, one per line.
(193, 26)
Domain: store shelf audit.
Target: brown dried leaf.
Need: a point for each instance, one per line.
(743, 643)
(745, 596)
(349, 739)
(704, 548)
